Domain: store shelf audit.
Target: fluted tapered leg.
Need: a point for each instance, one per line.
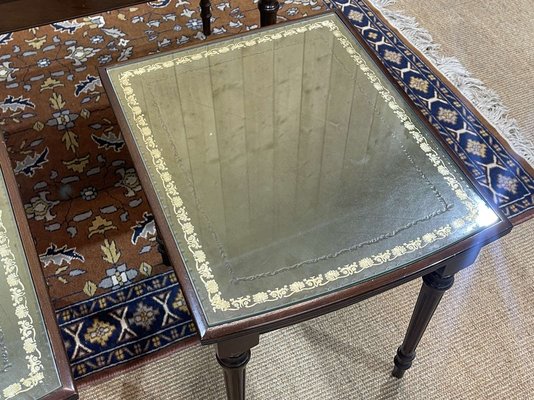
(234, 375)
(434, 286)
(233, 356)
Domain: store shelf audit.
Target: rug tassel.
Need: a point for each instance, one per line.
(484, 99)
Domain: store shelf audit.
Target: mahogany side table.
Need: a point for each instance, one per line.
(290, 177)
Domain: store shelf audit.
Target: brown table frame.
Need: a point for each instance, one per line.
(235, 339)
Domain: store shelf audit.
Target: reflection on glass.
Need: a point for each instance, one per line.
(288, 167)
(485, 216)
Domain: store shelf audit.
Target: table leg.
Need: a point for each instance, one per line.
(205, 14)
(434, 286)
(162, 250)
(233, 356)
(268, 10)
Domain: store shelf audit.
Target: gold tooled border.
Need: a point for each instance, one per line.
(218, 302)
(24, 319)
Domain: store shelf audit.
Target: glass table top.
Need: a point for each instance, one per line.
(27, 366)
(288, 166)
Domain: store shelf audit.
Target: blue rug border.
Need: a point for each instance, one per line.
(517, 208)
(118, 351)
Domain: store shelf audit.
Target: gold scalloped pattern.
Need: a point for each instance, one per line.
(24, 319)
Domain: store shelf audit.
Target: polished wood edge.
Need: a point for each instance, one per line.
(67, 389)
(523, 217)
(161, 222)
(467, 103)
(312, 307)
(17, 15)
(61, 394)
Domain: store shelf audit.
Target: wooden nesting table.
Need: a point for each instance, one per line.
(33, 363)
(290, 177)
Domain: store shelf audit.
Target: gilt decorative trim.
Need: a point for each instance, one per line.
(24, 320)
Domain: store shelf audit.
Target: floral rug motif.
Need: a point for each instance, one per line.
(93, 228)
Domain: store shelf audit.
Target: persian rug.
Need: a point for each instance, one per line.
(116, 302)
(94, 232)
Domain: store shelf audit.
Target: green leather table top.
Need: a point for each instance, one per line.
(289, 167)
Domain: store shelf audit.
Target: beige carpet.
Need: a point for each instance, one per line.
(492, 39)
(480, 344)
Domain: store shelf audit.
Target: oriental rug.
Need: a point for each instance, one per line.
(116, 302)
(93, 229)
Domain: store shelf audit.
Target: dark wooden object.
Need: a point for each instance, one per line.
(162, 250)
(314, 307)
(233, 356)
(205, 14)
(21, 14)
(434, 287)
(268, 10)
(67, 390)
(448, 260)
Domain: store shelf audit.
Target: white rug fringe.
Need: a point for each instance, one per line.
(484, 99)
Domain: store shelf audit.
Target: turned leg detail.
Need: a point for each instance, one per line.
(434, 286)
(234, 375)
(162, 250)
(233, 356)
(268, 10)
(205, 15)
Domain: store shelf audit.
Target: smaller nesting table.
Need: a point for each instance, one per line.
(33, 363)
